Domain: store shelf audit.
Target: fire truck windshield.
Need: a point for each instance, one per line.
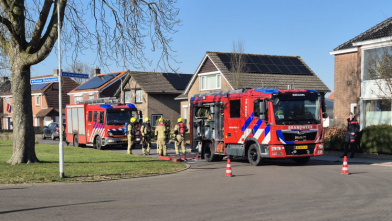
(118, 117)
(297, 111)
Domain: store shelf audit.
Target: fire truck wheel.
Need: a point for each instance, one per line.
(76, 141)
(208, 153)
(43, 136)
(97, 143)
(301, 160)
(254, 156)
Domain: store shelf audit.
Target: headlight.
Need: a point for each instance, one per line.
(321, 146)
(276, 148)
(110, 133)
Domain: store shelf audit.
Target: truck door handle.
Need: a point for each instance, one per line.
(229, 134)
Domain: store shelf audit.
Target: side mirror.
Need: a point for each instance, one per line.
(263, 106)
(140, 115)
(325, 114)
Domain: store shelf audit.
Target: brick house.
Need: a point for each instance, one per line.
(153, 93)
(99, 86)
(215, 73)
(44, 100)
(5, 86)
(355, 90)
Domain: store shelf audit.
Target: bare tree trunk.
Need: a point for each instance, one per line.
(23, 130)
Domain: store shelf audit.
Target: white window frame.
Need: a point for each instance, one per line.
(89, 96)
(185, 110)
(37, 100)
(77, 98)
(139, 96)
(203, 79)
(129, 100)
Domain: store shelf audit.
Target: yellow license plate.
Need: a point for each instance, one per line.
(125, 139)
(301, 147)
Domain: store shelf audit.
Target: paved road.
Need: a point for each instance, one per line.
(278, 190)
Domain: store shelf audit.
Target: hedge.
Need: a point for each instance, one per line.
(372, 139)
(377, 139)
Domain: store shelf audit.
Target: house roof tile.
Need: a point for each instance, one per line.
(154, 82)
(383, 29)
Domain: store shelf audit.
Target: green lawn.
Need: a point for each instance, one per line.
(81, 164)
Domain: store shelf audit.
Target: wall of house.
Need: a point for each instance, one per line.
(347, 86)
(166, 105)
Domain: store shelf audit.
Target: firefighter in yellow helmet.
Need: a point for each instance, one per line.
(156, 124)
(161, 138)
(131, 135)
(146, 136)
(179, 131)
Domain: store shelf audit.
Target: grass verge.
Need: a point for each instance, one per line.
(80, 164)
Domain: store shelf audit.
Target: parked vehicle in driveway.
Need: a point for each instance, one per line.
(52, 131)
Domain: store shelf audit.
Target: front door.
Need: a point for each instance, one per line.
(9, 123)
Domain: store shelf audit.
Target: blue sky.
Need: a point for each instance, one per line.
(305, 28)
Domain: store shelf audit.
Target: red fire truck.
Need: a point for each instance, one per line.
(258, 124)
(99, 125)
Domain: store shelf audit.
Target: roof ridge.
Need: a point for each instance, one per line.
(373, 29)
(254, 54)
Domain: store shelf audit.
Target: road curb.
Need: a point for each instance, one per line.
(127, 178)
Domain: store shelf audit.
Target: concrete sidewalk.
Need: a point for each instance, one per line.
(334, 156)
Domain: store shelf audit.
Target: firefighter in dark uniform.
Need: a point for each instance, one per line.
(351, 133)
(131, 135)
(146, 136)
(179, 131)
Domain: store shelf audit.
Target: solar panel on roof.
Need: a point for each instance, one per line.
(286, 61)
(97, 81)
(304, 69)
(296, 61)
(268, 64)
(276, 60)
(179, 81)
(35, 87)
(284, 69)
(294, 69)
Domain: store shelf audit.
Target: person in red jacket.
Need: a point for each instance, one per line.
(351, 133)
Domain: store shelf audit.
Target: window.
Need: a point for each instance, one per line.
(235, 107)
(90, 116)
(377, 112)
(37, 101)
(95, 119)
(210, 82)
(77, 99)
(91, 96)
(139, 96)
(376, 63)
(127, 96)
(154, 119)
(185, 111)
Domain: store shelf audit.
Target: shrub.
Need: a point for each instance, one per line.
(334, 138)
(376, 139)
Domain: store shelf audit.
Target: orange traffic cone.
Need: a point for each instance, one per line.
(345, 167)
(228, 168)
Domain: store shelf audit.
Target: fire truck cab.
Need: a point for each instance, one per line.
(257, 124)
(100, 123)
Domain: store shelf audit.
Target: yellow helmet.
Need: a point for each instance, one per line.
(179, 120)
(133, 120)
(146, 119)
(160, 119)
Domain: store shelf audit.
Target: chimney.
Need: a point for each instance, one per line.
(55, 72)
(97, 71)
(3, 79)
